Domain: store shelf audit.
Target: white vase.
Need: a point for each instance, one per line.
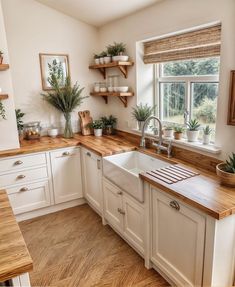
(206, 139)
(168, 133)
(97, 61)
(107, 59)
(101, 60)
(98, 132)
(192, 136)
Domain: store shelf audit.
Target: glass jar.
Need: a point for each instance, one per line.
(32, 130)
(110, 83)
(96, 87)
(103, 87)
(115, 82)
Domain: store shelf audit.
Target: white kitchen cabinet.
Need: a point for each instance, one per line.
(124, 214)
(66, 174)
(92, 179)
(178, 235)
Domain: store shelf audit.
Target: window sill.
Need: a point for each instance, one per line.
(211, 148)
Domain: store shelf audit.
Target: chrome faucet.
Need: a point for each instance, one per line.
(159, 146)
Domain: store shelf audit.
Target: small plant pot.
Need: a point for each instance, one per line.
(97, 61)
(1, 60)
(206, 139)
(101, 60)
(226, 178)
(109, 130)
(107, 59)
(178, 136)
(140, 125)
(168, 133)
(121, 58)
(192, 136)
(98, 132)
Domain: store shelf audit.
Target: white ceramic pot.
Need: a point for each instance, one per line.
(206, 139)
(168, 133)
(107, 59)
(98, 132)
(110, 89)
(101, 60)
(53, 132)
(120, 58)
(97, 61)
(192, 135)
(122, 89)
(103, 90)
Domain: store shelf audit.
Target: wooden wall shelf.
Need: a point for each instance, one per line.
(4, 67)
(3, 96)
(122, 96)
(122, 66)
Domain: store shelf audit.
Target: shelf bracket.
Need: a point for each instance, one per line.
(105, 99)
(123, 100)
(103, 72)
(124, 70)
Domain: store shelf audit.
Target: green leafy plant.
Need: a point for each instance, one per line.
(142, 112)
(116, 49)
(230, 164)
(109, 121)
(2, 111)
(206, 112)
(103, 54)
(179, 129)
(207, 130)
(19, 117)
(56, 73)
(1, 53)
(96, 124)
(96, 56)
(169, 127)
(193, 125)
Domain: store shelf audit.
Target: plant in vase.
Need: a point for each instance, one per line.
(168, 131)
(193, 130)
(97, 126)
(2, 111)
(19, 121)
(1, 57)
(109, 124)
(97, 59)
(226, 171)
(117, 51)
(64, 99)
(141, 113)
(207, 131)
(178, 132)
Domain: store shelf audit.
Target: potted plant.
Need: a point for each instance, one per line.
(168, 131)
(19, 121)
(1, 57)
(117, 51)
(193, 130)
(109, 124)
(141, 113)
(226, 171)
(178, 132)
(207, 131)
(97, 59)
(102, 56)
(64, 99)
(2, 111)
(97, 125)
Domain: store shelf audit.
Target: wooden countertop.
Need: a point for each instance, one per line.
(203, 192)
(14, 256)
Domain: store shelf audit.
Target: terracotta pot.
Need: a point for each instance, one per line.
(226, 178)
(178, 136)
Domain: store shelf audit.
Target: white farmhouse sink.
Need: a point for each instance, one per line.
(124, 169)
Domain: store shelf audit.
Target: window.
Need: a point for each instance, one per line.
(188, 89)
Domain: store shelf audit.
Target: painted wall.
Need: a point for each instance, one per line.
(167, 17)
(8, 129)
(33, 28)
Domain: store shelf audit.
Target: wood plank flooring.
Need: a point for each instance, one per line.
(72, 248)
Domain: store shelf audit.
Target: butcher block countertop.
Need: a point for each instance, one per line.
(14, 256)
(203, 191)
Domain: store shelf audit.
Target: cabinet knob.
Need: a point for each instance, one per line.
(121, 211)
(120, 193)
(66, 153)
(88, 154)
(174, 204)
(24, 189)
(18, 162)
(21, 176)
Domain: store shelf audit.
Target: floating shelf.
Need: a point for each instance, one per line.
(122, 96)
(4, 67)
(3, 96)
(122, 66)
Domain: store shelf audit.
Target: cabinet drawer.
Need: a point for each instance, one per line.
(20, 177)
(16, 163)
(29, 197)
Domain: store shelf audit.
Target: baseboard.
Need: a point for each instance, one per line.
(49, 209)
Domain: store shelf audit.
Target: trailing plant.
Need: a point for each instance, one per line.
(207, 130)
(96, 124)
(110, 121)
(19, 121)
(116, 49)
(230, 164)
(193, 125)
(179, 129)
(2, 111)
(142, 112)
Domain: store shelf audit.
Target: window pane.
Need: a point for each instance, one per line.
(196, 67)
(173, 102)
(204, 103)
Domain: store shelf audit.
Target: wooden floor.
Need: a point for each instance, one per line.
(72, 248)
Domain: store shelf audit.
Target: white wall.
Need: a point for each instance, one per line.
(8, 129)
(33, 28)
(171, 16)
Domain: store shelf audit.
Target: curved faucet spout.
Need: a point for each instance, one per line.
(142, 142)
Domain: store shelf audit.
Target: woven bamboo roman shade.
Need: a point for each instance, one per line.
(190, 45)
